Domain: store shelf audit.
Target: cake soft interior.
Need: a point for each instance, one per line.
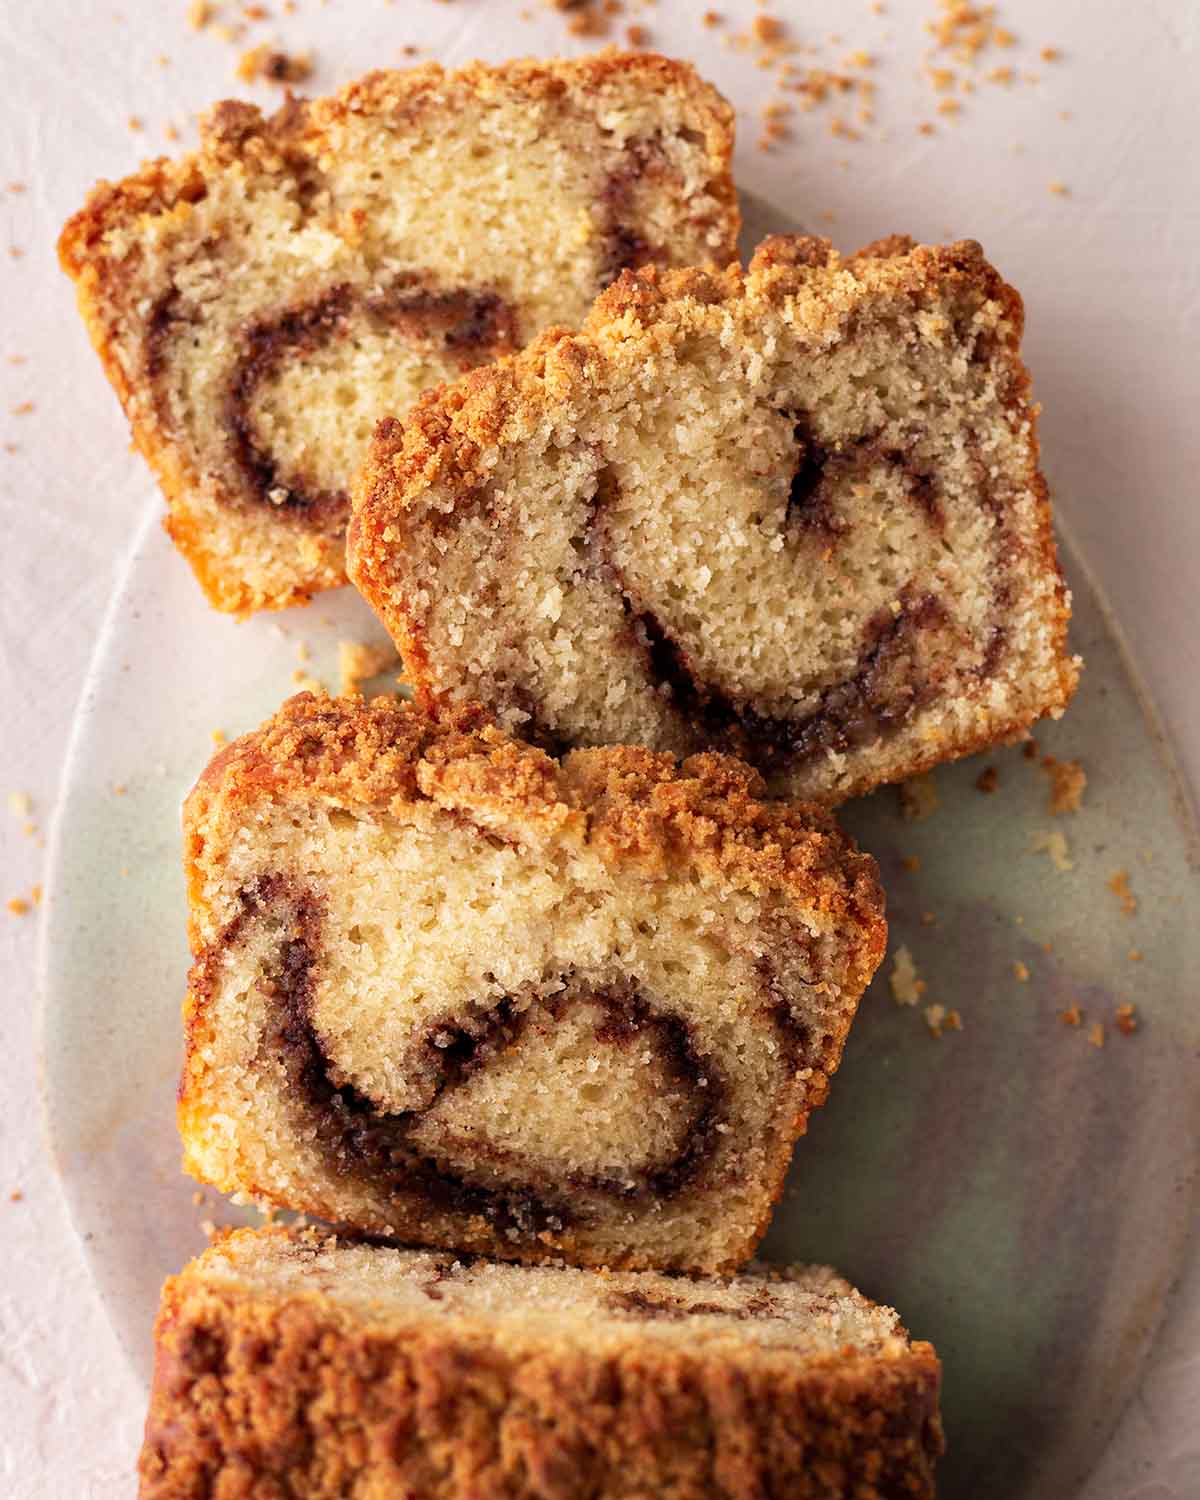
(801, 1311)
(261, 304)
(808, 527)
(606, 1019)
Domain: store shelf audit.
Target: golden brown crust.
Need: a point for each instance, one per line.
(237, 135)
(294, 1396)
(630, 804)
(449, 437)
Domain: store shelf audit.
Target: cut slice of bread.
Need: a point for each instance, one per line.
(794, 513)
(293, 1364)
(259, 303)
(451, 991)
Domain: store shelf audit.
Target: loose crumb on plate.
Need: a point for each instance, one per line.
(1020, 971)
(1119, 885)
(1126, 1019)
(1054, 844)
(1096, 1034)
(988, 780)
(1067, 782)
(18, 906)
(1072, 1016)
(907, 987)
(358, 661)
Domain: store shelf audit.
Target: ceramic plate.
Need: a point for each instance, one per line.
(1019, 1193)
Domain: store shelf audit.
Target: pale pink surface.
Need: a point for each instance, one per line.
(1111, 282)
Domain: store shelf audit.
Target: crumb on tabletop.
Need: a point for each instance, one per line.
(358, 661)
(911, 863)
(1126, 1019)
(1072, 1016)
(940, 1020)
(1119, 885)
(711, 18)
(16, 1196)
(1096, 1034)
(18, 906)
(1020, 971)
(218, 737)
(1134, 955)
(1059, 189)
(636, 36)
(199, 14)
(270, 63)
(1050, 54)
(918, 799)
(906, 986)
(35, 894)
(1030, 748)
(953, 1021)
(988, 780)
(1053, 843)
(20, 804)
(927, 919)
(1067, 782)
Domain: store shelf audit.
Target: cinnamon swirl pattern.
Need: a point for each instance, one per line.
(451, 990)
(794, 514)
(260, 303)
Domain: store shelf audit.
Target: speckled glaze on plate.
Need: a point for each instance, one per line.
(1021, 1195)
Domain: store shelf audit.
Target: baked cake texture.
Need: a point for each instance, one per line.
(290, 1364)
(449, 990)
(258, 303)
(794, 513)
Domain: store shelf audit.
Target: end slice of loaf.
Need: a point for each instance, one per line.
(259, 303)
(794, 513)
(451, 991)
(289, 1363)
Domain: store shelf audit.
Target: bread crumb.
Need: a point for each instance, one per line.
(199, 14)
(1126, 1019)
(19, 804)
(906, 987)
(918, 799)
(911, 863)
(1054, 844)
(1067, 782)
(636, 36)
(22, 408)
(1096, 1034)
(940, 1020)
(16, 1196)
(988, 780)
(35, 894)
(1134, 955)
(1060, 190)
(218, 737)
(927, 919)
(268, 62)
(119, 788)
(1020, 971)
(357, 661)
(1030, 749)
(1119, 885)
(1072, 1016)
(711, 18)
(18, 906)
(1050, 54)
(767, 29)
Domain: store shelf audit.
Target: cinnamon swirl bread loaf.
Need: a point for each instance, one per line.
(450, 990)
(258, 304)
(794, 513)
(289, 1364)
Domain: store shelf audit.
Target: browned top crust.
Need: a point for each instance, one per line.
(444, 436)
(235, 131)
(630, 804)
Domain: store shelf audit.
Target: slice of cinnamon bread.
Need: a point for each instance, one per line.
(294, 1364)
(259, 303)
(794, 513)
(450, 990)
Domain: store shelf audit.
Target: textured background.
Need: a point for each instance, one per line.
(1109, 271)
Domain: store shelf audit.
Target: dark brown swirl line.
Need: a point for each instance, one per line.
(881, 693)
(358, 1139)
(470, 325)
